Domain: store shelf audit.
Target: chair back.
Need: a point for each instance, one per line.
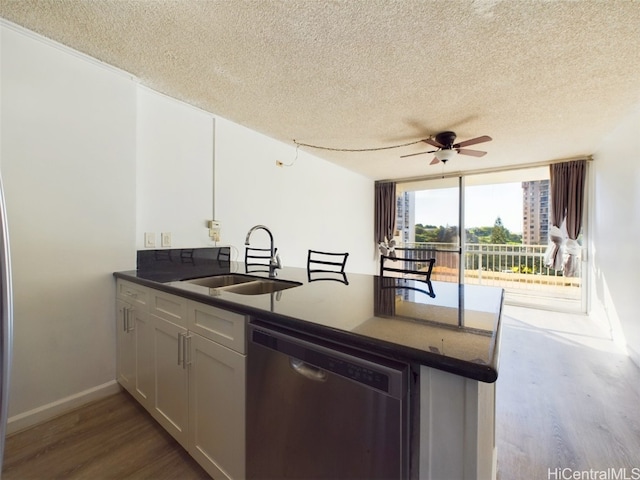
(257, 259)
(326, 266)
(407, 265)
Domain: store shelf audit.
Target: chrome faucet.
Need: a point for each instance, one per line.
(274, 260)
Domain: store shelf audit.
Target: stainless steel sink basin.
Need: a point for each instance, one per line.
(242, 284)
(260, 287)
(222, 280)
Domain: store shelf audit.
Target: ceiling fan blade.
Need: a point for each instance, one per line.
(473, 153)
(433, 142)
(434, 161)
(414, 154)
(473, 141)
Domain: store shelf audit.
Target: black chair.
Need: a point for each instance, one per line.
(401, 284)
(408, 265)
(257, 259)
(326, 266)
(163, 255)
(224, 254)
(186, 256)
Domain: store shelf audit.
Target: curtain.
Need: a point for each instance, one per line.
(385, 212)
(567, 183)
(384, 296)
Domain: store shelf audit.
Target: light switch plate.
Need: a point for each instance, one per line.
(166, 239)
(149, 239)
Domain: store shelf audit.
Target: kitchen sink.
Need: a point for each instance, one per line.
(243, 284)
(259, 287)
(218, 281)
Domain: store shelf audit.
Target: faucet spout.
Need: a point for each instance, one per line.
(259, 227)
(274, 260)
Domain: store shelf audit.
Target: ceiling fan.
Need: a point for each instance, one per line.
(446, 149)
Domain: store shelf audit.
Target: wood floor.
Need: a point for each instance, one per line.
(566, 399)
(113, 438)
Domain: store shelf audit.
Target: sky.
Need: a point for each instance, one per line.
(484, 203)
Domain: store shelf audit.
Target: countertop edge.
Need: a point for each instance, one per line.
(487, 373)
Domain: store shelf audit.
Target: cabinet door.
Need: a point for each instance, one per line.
(135, 352)
(126, 348)
(143, 338)
(171, 377)
(217, 408)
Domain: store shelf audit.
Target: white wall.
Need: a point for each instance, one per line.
(312, 204)
(615, 255)
(70, 133)
(68, 164)
(174, 170)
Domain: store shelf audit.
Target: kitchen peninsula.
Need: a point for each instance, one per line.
(448, 336)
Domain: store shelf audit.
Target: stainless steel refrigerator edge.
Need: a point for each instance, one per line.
(316, 410)
(7, 322)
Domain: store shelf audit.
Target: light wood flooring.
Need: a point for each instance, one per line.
(567, 398)
(113, 438)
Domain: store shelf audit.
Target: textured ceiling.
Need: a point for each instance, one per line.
(546, 79)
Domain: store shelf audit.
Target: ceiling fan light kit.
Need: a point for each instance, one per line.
(446, 149)
(445, 155)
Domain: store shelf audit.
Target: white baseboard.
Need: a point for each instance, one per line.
(64, 405)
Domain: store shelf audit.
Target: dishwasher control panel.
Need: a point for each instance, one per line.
(332, 359)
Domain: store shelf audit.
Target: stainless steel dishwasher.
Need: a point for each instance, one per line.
(322, 411)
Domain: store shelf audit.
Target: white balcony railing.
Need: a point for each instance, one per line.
(519, 269)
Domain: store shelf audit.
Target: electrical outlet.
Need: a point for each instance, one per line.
(214, 230)
(149, 240)
(166, 239)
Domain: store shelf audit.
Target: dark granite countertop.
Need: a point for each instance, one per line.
(451, 327)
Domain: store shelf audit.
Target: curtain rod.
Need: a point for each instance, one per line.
(459, 173)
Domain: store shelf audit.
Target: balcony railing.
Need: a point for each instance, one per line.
(519, 269)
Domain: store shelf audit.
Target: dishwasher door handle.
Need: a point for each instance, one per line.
(308, 371)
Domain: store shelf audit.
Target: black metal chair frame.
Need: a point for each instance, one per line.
(429, 287)
(224, 254)
(425, 273)
(328, 266)
(252, 257)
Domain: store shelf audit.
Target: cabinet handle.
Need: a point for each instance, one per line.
(187, 350)
(180, 348)
(127, 319)
(131, 325)
(124, 319)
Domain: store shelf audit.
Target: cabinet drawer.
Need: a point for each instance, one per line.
(132, 293)
(170, 307)
(221, 326)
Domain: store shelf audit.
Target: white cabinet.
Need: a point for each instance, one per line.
(170, 375)
(457, 427)
(195, 376)
(221, 326)
(171, 405)
(217, 408)
(126, 358)
(135, 348)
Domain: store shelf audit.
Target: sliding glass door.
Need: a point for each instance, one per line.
(504, 218)
(429, 218)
